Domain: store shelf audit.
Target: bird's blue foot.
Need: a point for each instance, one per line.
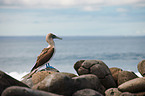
(48, 66)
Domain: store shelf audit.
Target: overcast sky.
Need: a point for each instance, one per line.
(72, 17)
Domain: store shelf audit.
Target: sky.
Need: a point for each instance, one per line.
(72, 17)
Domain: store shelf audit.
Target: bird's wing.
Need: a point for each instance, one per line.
(44, 57)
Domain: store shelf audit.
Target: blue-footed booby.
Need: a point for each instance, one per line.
(46, 53)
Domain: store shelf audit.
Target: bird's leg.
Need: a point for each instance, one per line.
(48, 66)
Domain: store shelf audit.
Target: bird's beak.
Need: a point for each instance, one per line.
(58, 38)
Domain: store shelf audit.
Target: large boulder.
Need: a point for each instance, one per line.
(124, 76)
(39, 76)
(7, 81)
(141, 67)
(134, 86)
(97, 67)
(23, 91)
(90, 81)
(56, 83)
(87, 92)
(115, 71)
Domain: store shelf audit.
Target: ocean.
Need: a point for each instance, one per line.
(18, 54)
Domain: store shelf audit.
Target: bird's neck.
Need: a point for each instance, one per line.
(51, 43)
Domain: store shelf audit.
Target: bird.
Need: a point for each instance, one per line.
(46, 53)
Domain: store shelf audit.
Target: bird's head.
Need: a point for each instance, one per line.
(51, 36)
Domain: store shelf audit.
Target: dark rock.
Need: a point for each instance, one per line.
(7, 81)
(39, 76)
(127, 94)
(23, 91)
(141, 67)
(87, 92)
(78, 64)
(56, 83)
(115, 71)
(124, 76)
(88, 81)
(112, 92)
(98, 68)
(140, 94)
(133, 86)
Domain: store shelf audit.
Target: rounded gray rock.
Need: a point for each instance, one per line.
(100, 69)
(56, 83)
(87, 92)
(124, 76)
(133, 86)
(23, 91)
(141, 67)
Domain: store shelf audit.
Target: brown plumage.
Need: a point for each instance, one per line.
(46, 53)
(44, 57)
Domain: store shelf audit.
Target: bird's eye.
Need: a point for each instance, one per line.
(53, 36)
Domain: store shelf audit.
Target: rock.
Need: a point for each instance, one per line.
(23, 91)
(69, 74)
(78, 64)
(56, 83)
(124, 76)
(127, 94)
(39, 76)
(112, 92)
(141, 67)
(115, 71)
(98, 68)
(87, 92)
(7, 81)
(88, 81)
(140, 94)
(134, 86)
(28, 82)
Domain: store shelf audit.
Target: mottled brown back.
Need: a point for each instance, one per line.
(44, 57)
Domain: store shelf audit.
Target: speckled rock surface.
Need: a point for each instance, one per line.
(56, 83)
(39, 76)
(112, 92)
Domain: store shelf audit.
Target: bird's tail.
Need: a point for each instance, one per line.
(34, 67)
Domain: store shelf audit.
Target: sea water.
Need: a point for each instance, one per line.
(19, 54)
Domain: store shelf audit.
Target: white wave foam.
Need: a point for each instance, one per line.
(17, 75)
(138, 74)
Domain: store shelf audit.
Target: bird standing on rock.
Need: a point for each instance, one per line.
(46, 53)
